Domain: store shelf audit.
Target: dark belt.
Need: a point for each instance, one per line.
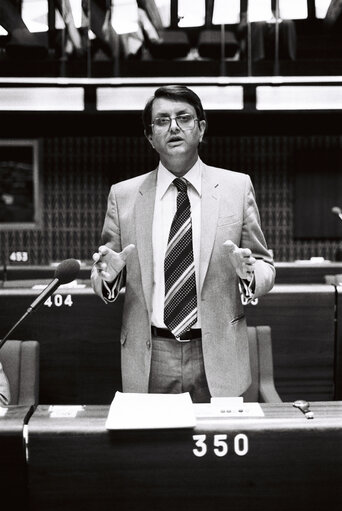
(193, 333)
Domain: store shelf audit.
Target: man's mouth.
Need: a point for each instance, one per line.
(175, 139)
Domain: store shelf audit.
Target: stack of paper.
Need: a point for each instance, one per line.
(151, 411)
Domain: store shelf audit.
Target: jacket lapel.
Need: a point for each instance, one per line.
(209, 216)
(144, 209)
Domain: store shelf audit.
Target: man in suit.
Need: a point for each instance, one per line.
(185, 241)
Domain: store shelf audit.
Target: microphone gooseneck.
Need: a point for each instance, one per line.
(65, 272)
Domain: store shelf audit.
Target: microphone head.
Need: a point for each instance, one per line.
(67, 271)
(336, 210)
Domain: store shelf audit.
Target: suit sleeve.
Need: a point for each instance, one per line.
(111, 238)
(253, 238)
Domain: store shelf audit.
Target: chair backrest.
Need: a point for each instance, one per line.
(20, 362)
(262, 388)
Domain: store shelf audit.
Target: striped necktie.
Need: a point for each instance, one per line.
(180, 307)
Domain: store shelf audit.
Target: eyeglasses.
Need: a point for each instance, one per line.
(183, 121)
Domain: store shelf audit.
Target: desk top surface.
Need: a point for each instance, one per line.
(277, 416)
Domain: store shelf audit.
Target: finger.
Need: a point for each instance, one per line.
(249, 262)
(103, 250)
(230, 245)
(96, 257)
(105, 275)
(126, 251)
(246, 252)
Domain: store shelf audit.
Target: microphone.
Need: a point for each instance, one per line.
(65, 272)
(337, 211)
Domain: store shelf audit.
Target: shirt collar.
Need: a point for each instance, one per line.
(165, 178)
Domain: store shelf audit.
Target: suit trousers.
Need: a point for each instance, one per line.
(178, 367)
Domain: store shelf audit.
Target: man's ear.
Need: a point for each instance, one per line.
(202, 126)
(149, 138)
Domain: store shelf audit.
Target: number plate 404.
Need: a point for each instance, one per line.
(220, 445)
(59, 300)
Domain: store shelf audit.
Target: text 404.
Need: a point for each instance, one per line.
(58, 300)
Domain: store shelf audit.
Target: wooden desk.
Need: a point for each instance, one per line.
(338, 346)
(79, 342)
(13, 475)
(305, 272)
(278, 462)
(287, 272)
(30, 272)
(302, 318)
(80, 348)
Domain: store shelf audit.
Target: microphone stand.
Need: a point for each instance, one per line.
(13, 328)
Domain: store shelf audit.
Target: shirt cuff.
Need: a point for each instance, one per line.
(111, 290)
(247, 290)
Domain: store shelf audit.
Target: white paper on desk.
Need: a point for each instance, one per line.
(150, 411)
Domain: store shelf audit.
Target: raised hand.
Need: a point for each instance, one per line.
(241, 259)
(109, 263)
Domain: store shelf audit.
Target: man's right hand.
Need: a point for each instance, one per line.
(109, 263)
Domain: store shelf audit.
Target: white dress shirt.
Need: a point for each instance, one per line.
(164, 211)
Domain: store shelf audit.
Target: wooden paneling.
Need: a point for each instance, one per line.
(290, 463)
(76, 173)
(13, 474)
(338, 347)
(302, 319)
(79, 343)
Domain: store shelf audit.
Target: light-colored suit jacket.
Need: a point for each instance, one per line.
(228, 212)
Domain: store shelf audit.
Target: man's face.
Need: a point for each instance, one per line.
(172, 142)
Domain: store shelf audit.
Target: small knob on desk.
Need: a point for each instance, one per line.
(304, 406)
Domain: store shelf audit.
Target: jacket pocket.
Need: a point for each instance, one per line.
(238, 318)
(226, 220)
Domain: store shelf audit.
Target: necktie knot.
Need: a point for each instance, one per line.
(180, 184)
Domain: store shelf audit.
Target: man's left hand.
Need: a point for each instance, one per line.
(241, 259)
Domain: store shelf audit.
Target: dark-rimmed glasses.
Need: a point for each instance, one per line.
(183, 121)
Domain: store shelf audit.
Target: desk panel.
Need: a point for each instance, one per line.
(302, 318)
(31, 272)
(338, 347)
(79, 342)
(306, 272)
(281, 461)
(13, 475)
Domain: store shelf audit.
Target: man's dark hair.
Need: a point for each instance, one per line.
(174, 93)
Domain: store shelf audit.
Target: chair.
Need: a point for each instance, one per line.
(335, 280)
(262, 388)
(172, 44)
(20, 362)
(210, 44)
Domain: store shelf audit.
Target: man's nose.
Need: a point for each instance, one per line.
(173, 124)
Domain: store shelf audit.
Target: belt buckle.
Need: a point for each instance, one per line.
(182, 340)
